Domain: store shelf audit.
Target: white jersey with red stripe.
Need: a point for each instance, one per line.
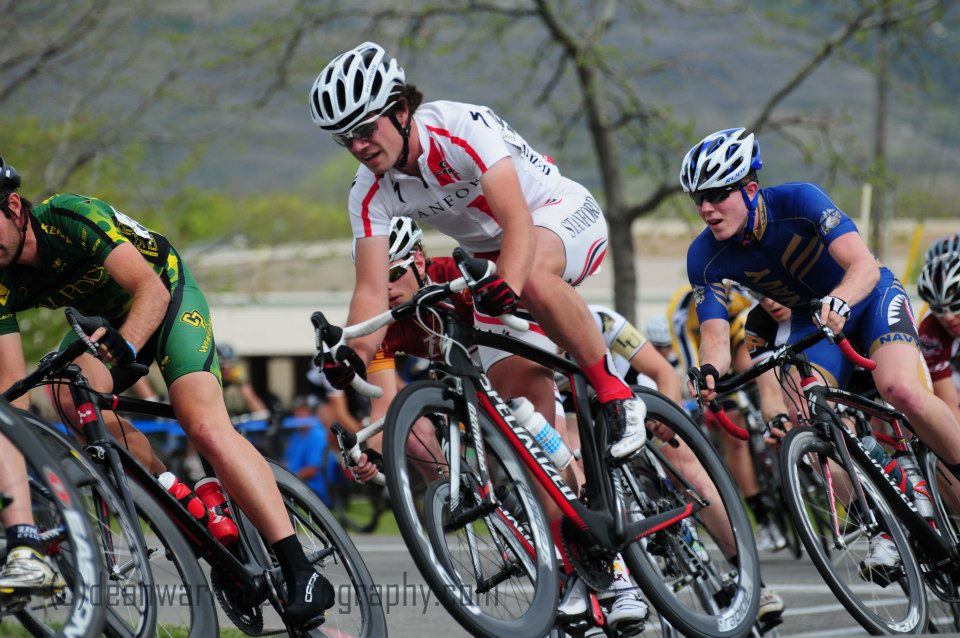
(460, 143)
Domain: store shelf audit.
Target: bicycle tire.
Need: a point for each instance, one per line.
(841, 569)
(55, 502)
(687, 590)
(517, 553)
(180, 583)
(336, 557)
(944, 601)
(128, 592)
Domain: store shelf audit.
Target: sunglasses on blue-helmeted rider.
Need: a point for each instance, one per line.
(713, 195)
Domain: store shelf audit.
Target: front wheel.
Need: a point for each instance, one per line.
(684, 568)
(491, 565)
(892, 602)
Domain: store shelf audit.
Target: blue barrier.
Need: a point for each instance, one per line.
(172, 428)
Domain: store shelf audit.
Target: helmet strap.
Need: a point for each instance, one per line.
(421, 279)
(23, 231)
(751, 215)
(405, 134)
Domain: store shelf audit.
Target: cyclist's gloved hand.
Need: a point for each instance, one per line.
(776, 430)
(367, 466)
(120, 350)
(494, 297)
(341, 371)
(833, 313)
(99, 330)
(706, 377)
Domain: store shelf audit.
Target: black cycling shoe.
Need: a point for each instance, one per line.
(308, 599)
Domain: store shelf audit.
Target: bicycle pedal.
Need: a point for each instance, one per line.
(768, 624)
(882, 577)
(629, 629)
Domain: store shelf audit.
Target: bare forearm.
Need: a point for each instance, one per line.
(771, 396)
(150, 302)
(859, 279)
(364, 305)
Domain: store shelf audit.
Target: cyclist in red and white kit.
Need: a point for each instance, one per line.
(463, 170)
(939, 286)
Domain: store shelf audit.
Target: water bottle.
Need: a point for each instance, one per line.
(921, 495)
(221, 527)
(544, 434)
(889, 466)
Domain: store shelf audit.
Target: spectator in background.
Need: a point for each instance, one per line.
(306, 453)
(238, 392)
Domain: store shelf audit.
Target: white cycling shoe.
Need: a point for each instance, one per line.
(28, 569)
(626, 417)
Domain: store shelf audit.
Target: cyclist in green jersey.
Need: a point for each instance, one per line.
(72, 250)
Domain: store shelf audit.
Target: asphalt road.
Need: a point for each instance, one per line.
(412, 612)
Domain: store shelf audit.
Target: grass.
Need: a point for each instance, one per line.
(362, 509)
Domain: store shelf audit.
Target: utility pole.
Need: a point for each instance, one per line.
(879, 226)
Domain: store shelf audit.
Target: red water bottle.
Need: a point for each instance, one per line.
(222, 528)
(211, 493)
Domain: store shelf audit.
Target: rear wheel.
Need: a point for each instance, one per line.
(358, 610)
(491, 566)
(681, 568)
(943, 593)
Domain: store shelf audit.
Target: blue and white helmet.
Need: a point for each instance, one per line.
(720, 159)
(356, 86)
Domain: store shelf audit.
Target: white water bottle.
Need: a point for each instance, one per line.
(544, 434)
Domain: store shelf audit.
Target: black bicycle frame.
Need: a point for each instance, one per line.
(824, 419)
(943, 554)
(102, 448)
(604, 521)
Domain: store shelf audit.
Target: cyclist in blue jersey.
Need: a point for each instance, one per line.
(793, 244)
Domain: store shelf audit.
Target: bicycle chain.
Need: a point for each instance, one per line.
(594, 564)
(246, 618)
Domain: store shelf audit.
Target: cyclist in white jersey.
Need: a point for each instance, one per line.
(461, 169)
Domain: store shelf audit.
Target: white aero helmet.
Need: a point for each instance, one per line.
(720, 159)
(657, 331)
(939, 283)
(405, 235)
(355, 85)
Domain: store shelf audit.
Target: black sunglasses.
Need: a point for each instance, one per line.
(951, 308)
(398, 271)
(713, 195)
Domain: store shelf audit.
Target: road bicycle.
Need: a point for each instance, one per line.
(68, 541)
(460, 470)
(245, 578)
(860, 500)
